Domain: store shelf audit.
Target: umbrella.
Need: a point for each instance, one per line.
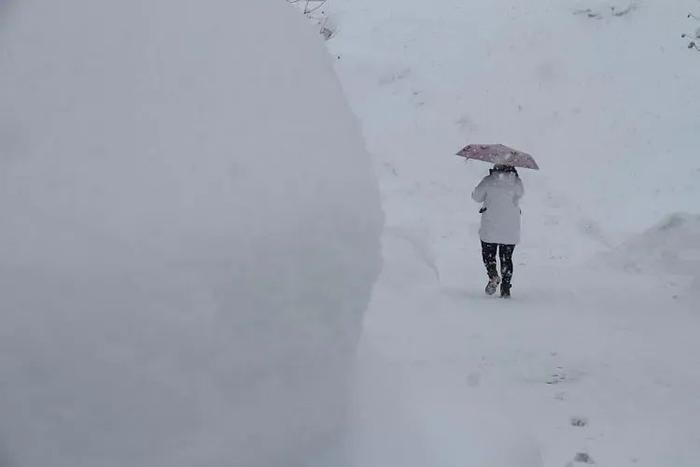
(499, 154)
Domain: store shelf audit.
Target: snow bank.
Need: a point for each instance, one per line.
(189, 234)
(670, 247)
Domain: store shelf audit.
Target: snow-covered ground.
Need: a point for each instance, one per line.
(190, 234)
(597, 357)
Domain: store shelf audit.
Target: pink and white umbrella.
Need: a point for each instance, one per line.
(499, 154)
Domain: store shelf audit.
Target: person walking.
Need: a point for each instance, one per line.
(500, 193)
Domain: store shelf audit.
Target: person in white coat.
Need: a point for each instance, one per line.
(500, 194)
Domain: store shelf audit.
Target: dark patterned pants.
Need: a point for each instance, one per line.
(505, 252)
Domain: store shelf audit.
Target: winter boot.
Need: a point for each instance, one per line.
(505, 291)
(492, 285)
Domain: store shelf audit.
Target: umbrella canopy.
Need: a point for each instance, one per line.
(499, 154)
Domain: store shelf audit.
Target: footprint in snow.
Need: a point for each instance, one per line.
(583, 458)
(579, 421)
(562, 376)
(556, 378)
(474, 379)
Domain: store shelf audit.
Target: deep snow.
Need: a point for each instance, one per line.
(189, 235)
(597, 357)
(131, 327)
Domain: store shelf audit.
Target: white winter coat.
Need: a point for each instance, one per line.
(500, 194)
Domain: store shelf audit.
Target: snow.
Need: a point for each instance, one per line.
(190, 234)
(603, 324)
(672, 248)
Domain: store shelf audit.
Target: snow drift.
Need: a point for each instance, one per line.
(189, 234)
(672, 247)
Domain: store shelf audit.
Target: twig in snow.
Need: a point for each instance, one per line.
(589, 13)
(624, 11)
(307, 5)
(326, 31)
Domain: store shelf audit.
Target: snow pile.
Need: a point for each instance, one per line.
(671, 247)
(190, 232)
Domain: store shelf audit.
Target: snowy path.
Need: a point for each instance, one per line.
(453, 378)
